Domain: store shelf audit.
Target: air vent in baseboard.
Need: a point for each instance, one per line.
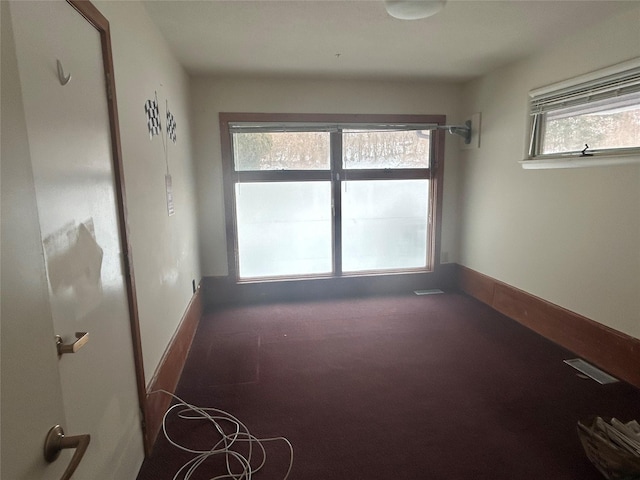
(428, 292)
(589, 370)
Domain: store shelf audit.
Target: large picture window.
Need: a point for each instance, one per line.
(327, 196)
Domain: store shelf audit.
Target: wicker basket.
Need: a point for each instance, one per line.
(612, 461)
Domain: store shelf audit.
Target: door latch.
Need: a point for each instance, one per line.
(81, 339)
(57, 441)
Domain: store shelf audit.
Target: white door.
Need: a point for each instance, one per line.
(26, 347)
(68, 136)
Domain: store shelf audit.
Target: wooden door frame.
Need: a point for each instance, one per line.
(101, 24)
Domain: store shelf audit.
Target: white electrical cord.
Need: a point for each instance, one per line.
(224, 444)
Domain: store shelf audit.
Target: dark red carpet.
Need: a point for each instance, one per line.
(400, 387)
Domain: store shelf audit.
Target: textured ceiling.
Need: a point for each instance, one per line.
(357, 38)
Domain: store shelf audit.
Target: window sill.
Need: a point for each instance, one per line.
(580, 162)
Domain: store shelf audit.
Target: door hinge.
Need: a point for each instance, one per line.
(143, 420)
(127, 263)
(109, 88)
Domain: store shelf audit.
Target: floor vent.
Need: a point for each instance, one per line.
(428, 292)
(590, 371)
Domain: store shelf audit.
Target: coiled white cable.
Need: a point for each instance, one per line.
(223, 446)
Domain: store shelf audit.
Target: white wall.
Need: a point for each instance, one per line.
(211, 96)
(164, 249)
(570, 236)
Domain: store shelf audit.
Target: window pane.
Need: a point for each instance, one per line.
(607, 124)
(284, 228)
(385, 149)
(384, 224)
(281, 151)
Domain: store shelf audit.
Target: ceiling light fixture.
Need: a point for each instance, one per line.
(413, 9)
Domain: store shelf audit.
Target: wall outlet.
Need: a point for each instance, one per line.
(444, 257)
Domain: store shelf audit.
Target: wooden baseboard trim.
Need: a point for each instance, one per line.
(170, 368)
(609, 349)
(219, 290)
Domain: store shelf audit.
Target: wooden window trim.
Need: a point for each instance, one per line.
(435, 173)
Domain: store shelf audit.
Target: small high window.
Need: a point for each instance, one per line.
(590, 116)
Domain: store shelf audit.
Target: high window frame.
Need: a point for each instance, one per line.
(578, 106)
(433, 172)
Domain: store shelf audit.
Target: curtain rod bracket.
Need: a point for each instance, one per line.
(462, 130)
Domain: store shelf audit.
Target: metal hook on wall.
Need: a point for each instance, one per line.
(61, 76)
